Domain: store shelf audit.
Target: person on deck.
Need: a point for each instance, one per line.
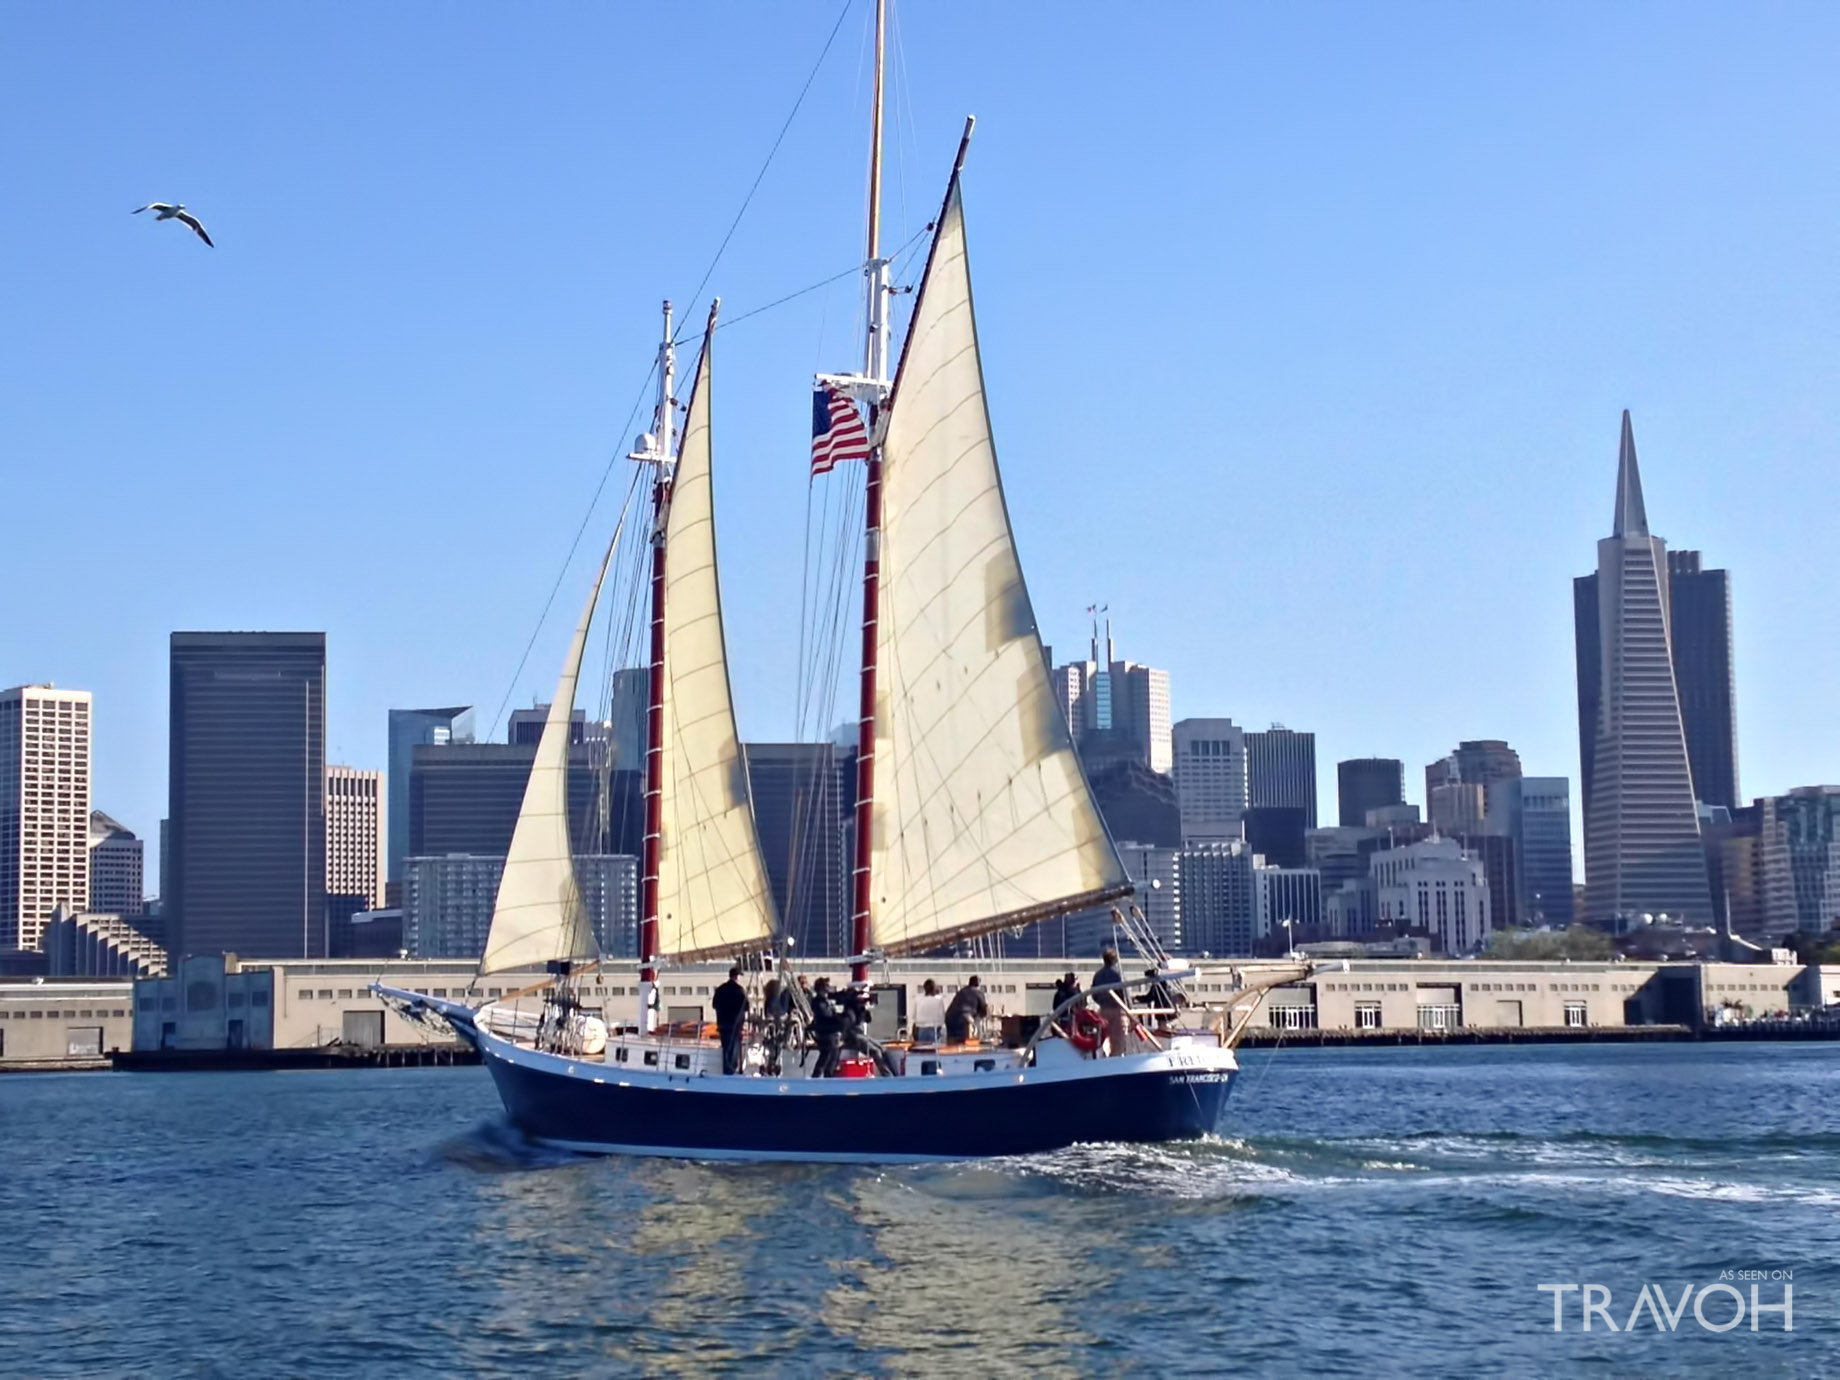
(930, 1015)
(1113, 1005)
(968, 1005)
(731, 1004)
(853, 1007)
(826, 1028)
(1066, 990)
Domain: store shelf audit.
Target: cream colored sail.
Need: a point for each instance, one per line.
(983, 818)
(539, 914)
(713, 896)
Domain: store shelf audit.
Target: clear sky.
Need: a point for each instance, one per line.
(1307, 330)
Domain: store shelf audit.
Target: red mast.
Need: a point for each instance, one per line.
(655, 450)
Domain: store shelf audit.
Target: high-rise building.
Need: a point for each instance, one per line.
(44, 808)
(1435, 887)
(1536, 813)
(465, 798)
(804, 807)
(116, 869)
(1277, 833)
(247, 795)
(1476, 762)
(1457, 807)
(409, 729)
(354, 824)
(447, 903)
(1220, 900)
(525, 726)
(1289, 893)
(1281, 770)
(1700, 647)
(1800, 854)
(1642, 844)
(1210, 778)
(1367, 783)
(1157, 873)
(1115, 709)
(1136, 803)
(628, 699)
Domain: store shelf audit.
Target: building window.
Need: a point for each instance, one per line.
(1440, 1017)
(1367, 1015)
(1293, 1017)
(1574, 1013)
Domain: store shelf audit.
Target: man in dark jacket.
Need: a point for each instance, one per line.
(1111, 1004)
(968, 1005)
(826, 1028)
(731, 1003)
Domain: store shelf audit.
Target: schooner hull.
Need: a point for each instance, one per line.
(598, 1108)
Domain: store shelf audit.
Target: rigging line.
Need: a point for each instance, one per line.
(569, 556)
(778, 139)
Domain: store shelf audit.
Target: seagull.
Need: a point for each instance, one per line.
(178, 213)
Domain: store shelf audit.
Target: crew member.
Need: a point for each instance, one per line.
(967, 1005)
(1112, 1004)
(853, 1008)
(826, 1028)
(1065, 991)
(929, 1015)
(731, 1004)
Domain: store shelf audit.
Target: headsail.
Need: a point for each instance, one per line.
(539, 914)
(713, 896)
(983, 818)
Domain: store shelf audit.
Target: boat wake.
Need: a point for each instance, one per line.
(495, 1146)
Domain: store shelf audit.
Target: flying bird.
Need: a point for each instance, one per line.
(178, 213)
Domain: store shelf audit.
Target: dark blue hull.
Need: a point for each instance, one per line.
(935, 1120)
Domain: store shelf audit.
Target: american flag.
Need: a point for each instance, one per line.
(837, 430)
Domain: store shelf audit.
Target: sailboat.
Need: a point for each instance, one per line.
(973, 814)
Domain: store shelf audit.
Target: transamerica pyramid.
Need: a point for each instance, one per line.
(1642, 845)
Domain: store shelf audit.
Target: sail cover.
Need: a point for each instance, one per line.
(983, 818)
(713, 896)
(539, 914)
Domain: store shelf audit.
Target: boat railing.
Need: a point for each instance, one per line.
(1228, 1025)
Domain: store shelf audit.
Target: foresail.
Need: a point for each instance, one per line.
(539, 914)
(983, 817)
(713, 895)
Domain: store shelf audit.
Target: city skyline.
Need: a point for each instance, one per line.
(1435, 322)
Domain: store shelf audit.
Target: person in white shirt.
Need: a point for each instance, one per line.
(930, 1015)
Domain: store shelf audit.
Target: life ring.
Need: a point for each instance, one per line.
(1088, 1031)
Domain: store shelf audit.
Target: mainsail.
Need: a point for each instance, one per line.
(713, 896)
(539, 914)
(982, 818)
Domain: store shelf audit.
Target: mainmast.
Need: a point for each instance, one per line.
(654, 448)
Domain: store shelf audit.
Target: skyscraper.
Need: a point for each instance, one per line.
(409, 729)
(804, 803)
(1281, 770)
(1367, 783)
(44, 808)
(1476, 762)
(1115, 709)
(465, 797)
(1220, 900)
(116, 868)
(1210, 778)
(246, 786)
(1700, 647)
(1642, 842)
(354, 821)
(1536, 813)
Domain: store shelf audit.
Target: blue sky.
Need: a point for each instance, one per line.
(1307, 329)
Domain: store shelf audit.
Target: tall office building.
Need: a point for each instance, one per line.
(1799, 849)
(1367, 783)
(1281, 770)
(1115, 709)
(1436, 887)
(1210, 778)
(409, 729)
(44, 808)
(1536, 813)
(1700, 647)
(448, 901)
(354, 825)
(465, 798)
(116, 869)
(1476, 762)
(525, 726)
(1289, 893)
(804, 803)
(1457, 807)
(246, 789)
(1642, 842)
(1220, 899)
(1157, 873)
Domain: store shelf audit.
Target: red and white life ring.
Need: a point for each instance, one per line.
(1088, 1031)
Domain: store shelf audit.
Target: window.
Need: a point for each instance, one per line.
(345, 994)
(1367, 1015)
(1440, 1017)
(1293, 1017)
(1574, 1013)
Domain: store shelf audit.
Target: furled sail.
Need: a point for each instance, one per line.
(713, 896)
(983, 817)
(539, 914)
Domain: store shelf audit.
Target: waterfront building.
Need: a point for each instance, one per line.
(1281, 770)
(1115, 708)
(1276, 833)
(1536, 813)
(44, 808)
(354, 828)
(116, 868)
(1210, 778)
(247, 794)
(1220, 899)
(409, 729)
(1700, 648)
(1642, 847)
(804, 814)
(1288, 893)
(1434, 887)
(448, 900)
(1367, 783)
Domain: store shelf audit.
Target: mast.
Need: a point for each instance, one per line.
(875, 369)
(655, 449)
